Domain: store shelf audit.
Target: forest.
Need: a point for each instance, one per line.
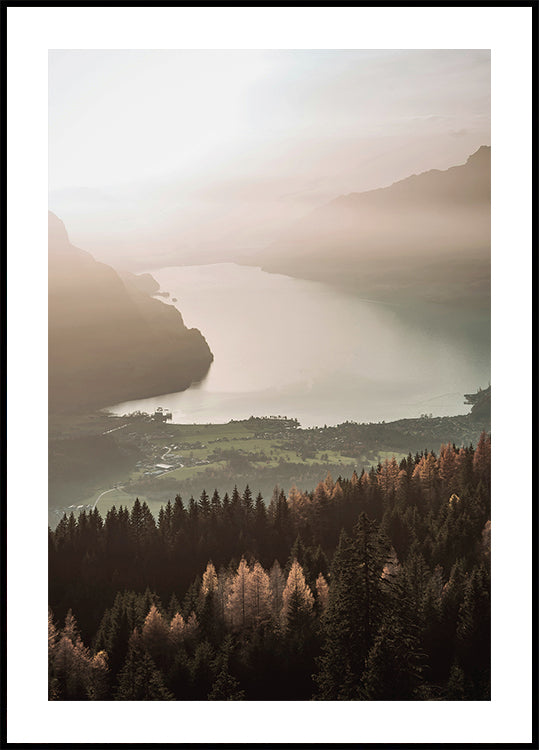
(375, 587)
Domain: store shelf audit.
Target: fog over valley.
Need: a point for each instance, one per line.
(195, 156)
(269, 322)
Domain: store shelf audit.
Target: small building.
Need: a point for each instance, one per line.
(164, 467)
(161, 415)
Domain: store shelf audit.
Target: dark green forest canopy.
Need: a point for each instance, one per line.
(370, 588)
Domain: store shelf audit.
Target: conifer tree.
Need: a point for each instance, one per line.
(237, 606)
(355, 610)
(204, 505)
(208, 606)
(296, 593)
(481, 460)
(216, 504)
(209, 580)
(322, 593)
(259, 594)
(177, 629)
(155, 633)
(139, 679)
(277, 584)
(473, 634)
(53, 640)
(226, 687)
(178, 515)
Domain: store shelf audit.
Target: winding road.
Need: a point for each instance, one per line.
(105, 492)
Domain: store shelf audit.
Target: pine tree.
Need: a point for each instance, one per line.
(98, 677)
(204, 505)
(226, 687)
(395, 663)
(139, 679)
(473, 634)
(216, 504)
(355, 610)
(481, 460)
(178, 515)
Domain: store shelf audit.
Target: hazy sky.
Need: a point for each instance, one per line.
(197, 136)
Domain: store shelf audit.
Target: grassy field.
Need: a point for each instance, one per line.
(91, 454)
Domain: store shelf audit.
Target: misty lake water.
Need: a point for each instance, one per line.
(285, 346)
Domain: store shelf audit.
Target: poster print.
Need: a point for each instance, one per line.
(324, 354)
(269, 375)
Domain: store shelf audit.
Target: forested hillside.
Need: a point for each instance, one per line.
(109, 340)
(372, 588)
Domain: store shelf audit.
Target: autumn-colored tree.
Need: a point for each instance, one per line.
(337, 493)
(224, 589)
(155, 635)
(447, 468)
(387, 476)
(176, 632)
(322, 593)
(301, 507)
(481, 460)
(191, 626)
(53, 640)
(296, 590)
(277, 584)
(237, 609)
(98, 677)
(426, 475)
(209, 580)
(258, 594)
(208, 610)
(74, 674)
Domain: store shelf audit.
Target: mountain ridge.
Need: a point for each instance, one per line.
(426, 235)
(109, 340)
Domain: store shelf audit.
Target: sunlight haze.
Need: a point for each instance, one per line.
(193, 152)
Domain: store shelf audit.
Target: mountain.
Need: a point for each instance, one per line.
(109, 340)
(427, 235)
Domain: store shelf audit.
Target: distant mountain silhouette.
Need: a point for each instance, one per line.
(109, 340)
(427, 235)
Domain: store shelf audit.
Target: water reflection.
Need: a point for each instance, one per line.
(301, 348)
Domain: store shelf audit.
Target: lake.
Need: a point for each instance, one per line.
(286, 346)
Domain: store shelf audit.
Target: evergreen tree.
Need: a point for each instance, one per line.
(355, 610)
(139, 679)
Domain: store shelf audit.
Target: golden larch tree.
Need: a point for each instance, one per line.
(322, 593)
(297, 587)
(258, 594)
(277, 583)
(237, 607)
